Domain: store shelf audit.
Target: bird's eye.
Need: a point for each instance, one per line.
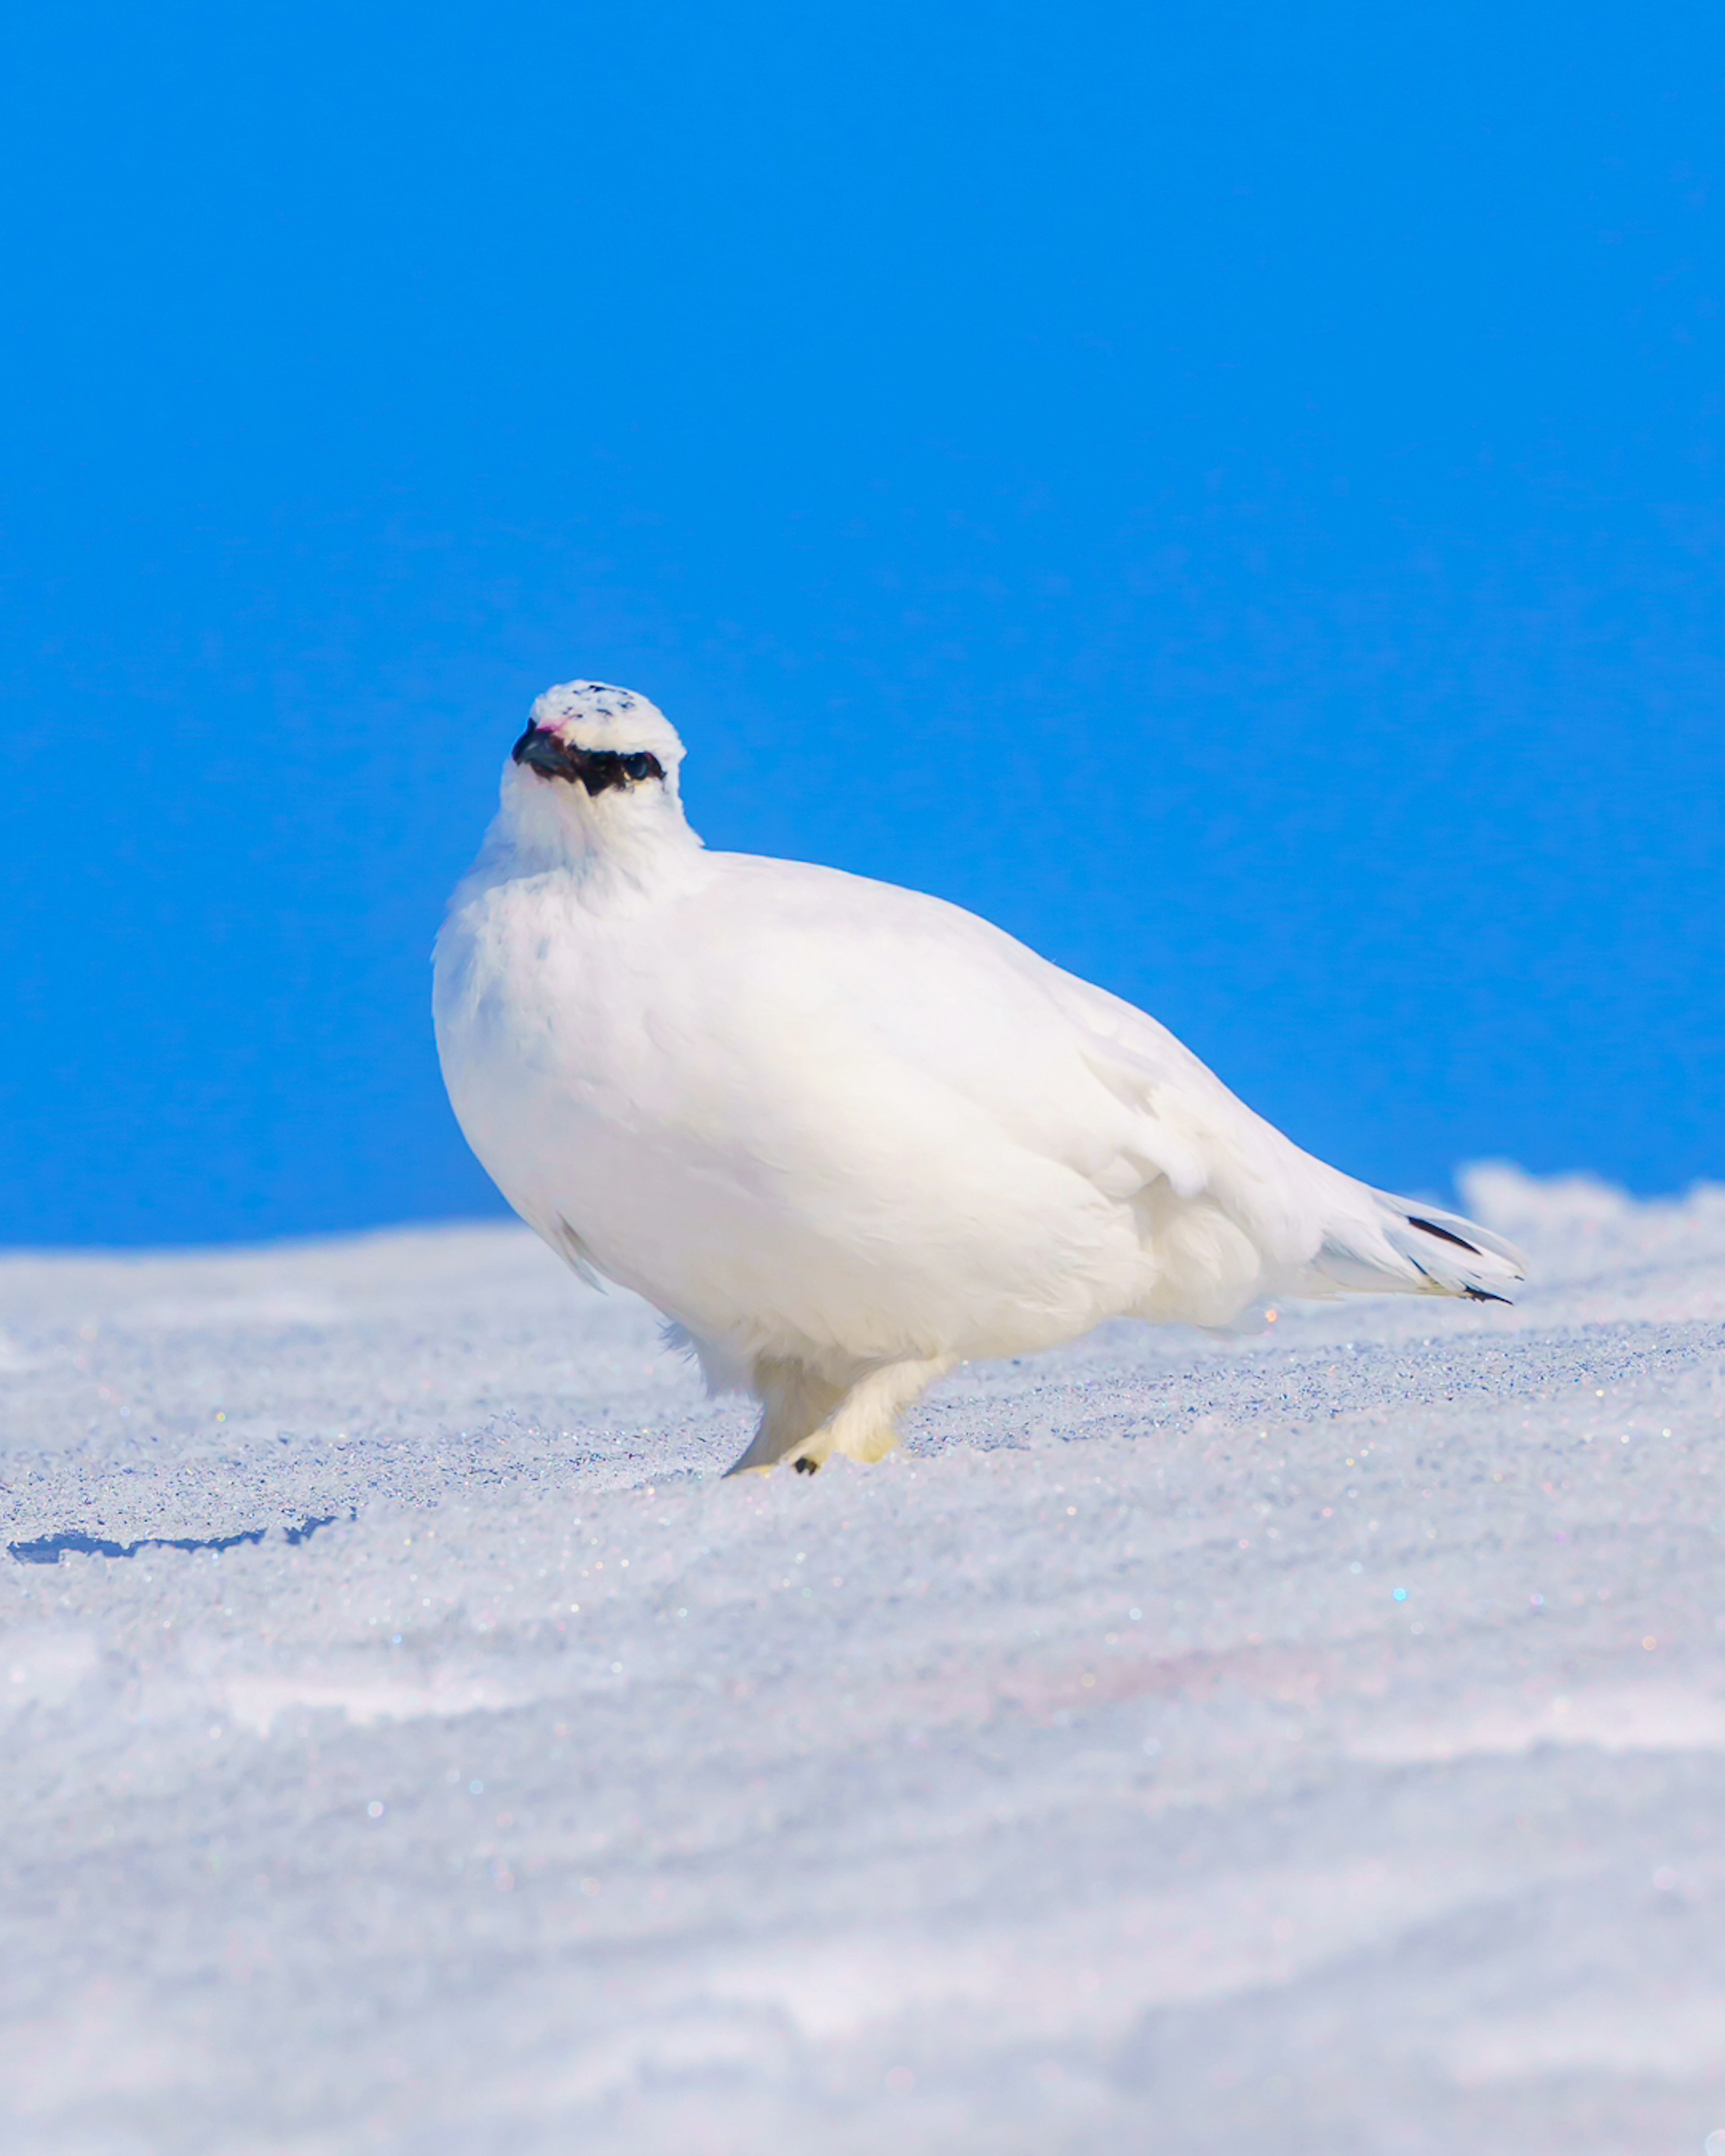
(642, 766)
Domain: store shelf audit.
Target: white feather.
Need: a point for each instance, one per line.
(845, 1136)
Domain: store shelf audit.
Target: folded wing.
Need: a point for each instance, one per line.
(1317, 1231)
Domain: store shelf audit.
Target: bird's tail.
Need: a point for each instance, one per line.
(1397, 1246)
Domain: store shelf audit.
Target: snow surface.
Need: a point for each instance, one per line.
(1307, 1742)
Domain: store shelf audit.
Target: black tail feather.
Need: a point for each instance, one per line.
(1431, 1227)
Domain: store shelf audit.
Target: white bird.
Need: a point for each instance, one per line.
(844, 1136)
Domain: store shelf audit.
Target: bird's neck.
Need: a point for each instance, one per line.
(649, 846)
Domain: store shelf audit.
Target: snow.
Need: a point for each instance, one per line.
(1311, 1742)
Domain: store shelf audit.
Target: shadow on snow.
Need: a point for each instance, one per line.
(49, 1549)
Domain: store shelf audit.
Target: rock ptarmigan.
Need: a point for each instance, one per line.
(845, 1136)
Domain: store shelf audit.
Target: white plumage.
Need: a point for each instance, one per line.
(846, 1136)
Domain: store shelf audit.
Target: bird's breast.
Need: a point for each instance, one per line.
(725, 1132)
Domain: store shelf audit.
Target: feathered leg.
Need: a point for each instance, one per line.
(794, 1402)
(806, 1418)
(866, 1427)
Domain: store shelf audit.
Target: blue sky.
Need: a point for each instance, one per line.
(1231, 493)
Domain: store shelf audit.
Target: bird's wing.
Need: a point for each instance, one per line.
(1080, 1076)
(1320, 1229)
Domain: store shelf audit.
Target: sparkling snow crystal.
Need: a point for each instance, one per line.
(1314, 1742)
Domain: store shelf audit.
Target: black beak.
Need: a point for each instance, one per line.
(544, 753)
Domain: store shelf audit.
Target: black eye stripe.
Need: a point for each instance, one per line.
(597, 769)
(602, 767)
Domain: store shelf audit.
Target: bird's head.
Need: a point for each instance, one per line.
(596, 770)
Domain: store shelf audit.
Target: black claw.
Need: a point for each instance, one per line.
(806, 1466)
